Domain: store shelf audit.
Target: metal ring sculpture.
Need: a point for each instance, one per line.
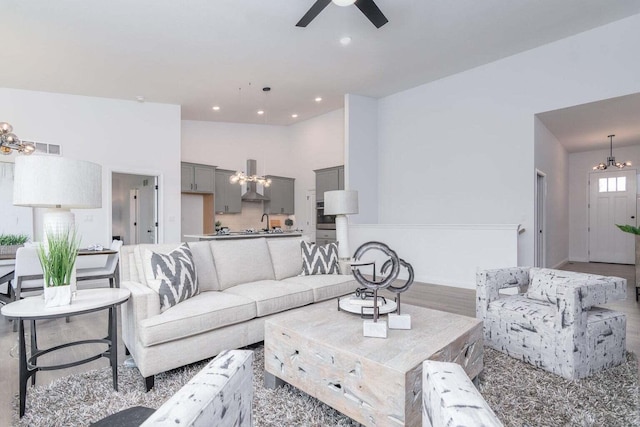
(395, 265)
(409, 281)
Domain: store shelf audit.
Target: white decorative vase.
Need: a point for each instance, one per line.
(56, 296)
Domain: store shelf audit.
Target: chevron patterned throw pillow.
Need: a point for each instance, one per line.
(172, 275)
(318, 259)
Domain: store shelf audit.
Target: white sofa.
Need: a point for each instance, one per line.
(241, 282)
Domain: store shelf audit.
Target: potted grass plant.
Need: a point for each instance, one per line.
(58, 259)
(9, 243)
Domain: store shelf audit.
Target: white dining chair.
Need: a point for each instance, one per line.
(28, 275)
(109, 271)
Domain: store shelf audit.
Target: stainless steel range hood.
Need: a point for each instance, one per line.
(252, 194)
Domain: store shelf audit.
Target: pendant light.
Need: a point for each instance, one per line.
(611, 161)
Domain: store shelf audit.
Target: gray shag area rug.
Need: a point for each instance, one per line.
(520, 394)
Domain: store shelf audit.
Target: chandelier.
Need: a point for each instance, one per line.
(242, 178)
(9, 141)
(611, 161)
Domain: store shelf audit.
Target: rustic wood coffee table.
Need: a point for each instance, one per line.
(375, 381)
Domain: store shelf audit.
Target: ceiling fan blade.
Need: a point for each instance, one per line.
(371, 11)
(317, 7)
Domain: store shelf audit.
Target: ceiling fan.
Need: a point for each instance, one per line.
(368, 7)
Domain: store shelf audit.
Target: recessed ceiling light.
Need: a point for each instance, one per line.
(346, 40)
(260, 112)
(216, 108)
(295, 116)
(318, 99)
(140, 98)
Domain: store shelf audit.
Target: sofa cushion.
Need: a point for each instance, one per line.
(241, 261)
(202, 257)
(172, 275)
(326, 286)
(317, 259)
(543, 282)
(286, 256)
(528, 314)
(273, 296)
(204, 312)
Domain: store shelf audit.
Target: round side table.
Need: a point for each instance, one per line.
(85, 301)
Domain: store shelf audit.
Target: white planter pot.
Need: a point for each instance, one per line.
(56, 296)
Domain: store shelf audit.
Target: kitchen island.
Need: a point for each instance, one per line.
(243, 235)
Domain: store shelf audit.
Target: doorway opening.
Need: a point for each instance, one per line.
(541, 196)
(134, 208)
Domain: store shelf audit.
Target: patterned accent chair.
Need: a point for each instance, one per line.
(553, 322)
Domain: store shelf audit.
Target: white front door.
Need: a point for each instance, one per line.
(612, 200)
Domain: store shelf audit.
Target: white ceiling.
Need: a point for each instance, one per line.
(585, 127)
(200, 53)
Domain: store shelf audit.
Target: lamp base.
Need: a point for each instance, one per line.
(342, 236)
(58, 221)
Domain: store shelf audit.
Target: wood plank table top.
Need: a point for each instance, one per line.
(431, 331)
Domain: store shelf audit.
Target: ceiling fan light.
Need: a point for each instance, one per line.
(343, 2)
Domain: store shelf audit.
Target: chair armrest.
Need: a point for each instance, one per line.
(142, 304)
(449, 398)
(221, 391)
(489, 283)
(578, 296)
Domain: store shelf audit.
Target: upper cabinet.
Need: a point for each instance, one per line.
(228, 196)
(281, 195)
(197, 178)
(329, 179)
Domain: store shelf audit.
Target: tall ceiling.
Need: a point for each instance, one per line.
(201, 53)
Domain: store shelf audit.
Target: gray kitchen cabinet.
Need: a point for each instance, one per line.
(228, 196)
(329, 179)
(281, 194)
(324, 237)
(195, 178)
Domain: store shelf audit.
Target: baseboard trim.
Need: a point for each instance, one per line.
(561, 264)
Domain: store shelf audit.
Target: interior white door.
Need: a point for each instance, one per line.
(612, 200)
(134, 209)
(540, 230)
(146, 212)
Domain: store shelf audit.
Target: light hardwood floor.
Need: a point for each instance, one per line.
(455, 300)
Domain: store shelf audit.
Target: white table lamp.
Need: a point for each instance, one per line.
(57, 183)
(341, 203)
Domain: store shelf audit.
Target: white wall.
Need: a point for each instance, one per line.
(361, 141)
(122, 136)
(553, 160)
(435, 247)
(292, 151)
(461, 150)
(580, 167)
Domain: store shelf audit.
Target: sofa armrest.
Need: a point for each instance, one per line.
(142, 304)
(489, 283)
(220, 394)
(449, 398)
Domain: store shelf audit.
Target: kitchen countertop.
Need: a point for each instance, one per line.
(242, 235)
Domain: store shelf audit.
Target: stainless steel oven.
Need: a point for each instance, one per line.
(324, 222)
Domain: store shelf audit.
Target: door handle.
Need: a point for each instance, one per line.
(633, 217)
